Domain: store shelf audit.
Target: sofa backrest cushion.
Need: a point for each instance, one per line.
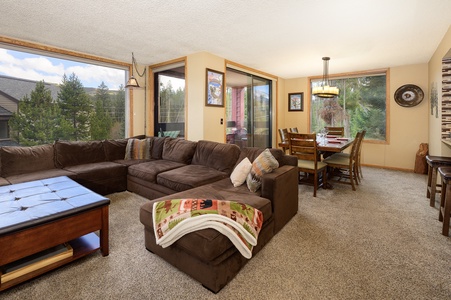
(114, 149)
(17, 160)
(179, 150)
(157, 147)
(72, 153)
(219, 156)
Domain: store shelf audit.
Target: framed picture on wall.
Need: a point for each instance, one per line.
(296, 102)
(214, 88)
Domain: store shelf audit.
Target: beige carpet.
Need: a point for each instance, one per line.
(381, 242)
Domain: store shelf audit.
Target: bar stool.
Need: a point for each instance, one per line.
(433, 163)
(445, 199)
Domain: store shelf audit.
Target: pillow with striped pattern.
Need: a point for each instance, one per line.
(137, 149)
(264, 163)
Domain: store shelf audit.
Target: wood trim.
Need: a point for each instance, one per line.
(255, 71)
(358, 74)
(151, 94)
(169, 62)
(352, 74)
(387, 108)
(229, 63)
(65, 52)
(52, 49)
(388, 168)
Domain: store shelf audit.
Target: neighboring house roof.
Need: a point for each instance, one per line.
(8, 143)
(4, 112)
(19, 88)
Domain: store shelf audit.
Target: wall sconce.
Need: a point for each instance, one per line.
(132, 82)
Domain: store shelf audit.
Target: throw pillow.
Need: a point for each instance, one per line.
(239, 174)
(263, 164)
(137, 149)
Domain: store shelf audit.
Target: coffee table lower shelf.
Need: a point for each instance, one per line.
(81, 247)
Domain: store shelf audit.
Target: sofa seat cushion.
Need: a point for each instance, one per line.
(149, 170)
(39, 175)
(3, 181)
(207, 244)
(189, 176)
(98, 171)
(17, 160)
(130, 162)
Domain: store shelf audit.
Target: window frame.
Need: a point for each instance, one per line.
(353, 75)
(39, 49)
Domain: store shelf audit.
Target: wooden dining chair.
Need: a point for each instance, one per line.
(338, 131)
(294, 130)
(357, 166)
(304, 146)
(342, 168)
(283, 133)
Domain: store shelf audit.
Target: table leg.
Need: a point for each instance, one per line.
(104, 232)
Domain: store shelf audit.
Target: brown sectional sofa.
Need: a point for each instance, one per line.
(176, 169)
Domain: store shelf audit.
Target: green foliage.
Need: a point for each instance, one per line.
(172, 104)
(75, 106)
(360, 105)
(40, 119)
(37, 120)
(101, 120)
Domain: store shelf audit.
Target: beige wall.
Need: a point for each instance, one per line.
(138, 105)
(204, 122)
(436, 147)
(408, 126)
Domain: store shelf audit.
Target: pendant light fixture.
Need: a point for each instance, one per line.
(325, 90)
(132, 82)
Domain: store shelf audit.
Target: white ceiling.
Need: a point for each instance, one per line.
(286, 38)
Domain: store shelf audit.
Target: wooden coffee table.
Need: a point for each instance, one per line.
(73, 219)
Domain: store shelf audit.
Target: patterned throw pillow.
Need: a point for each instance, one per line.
(239, 174)
(137, 149)
(263, 164)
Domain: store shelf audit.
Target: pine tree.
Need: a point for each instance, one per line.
(37, 120)
(101, 121)
(76, 107)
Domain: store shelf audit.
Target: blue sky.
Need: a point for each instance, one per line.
(51, 70)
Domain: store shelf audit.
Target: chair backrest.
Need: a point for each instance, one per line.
(303, 145)
(356, 146)
(294, 129)
(339, 131)
(359, 149)
(283, 135)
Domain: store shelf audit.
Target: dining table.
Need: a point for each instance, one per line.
(330, 144)
(333, 144)
(326, 146)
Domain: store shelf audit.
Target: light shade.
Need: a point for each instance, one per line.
(132, 82)
(325, 90)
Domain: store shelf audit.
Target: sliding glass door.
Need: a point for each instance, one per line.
(170, 108)
(248, 110)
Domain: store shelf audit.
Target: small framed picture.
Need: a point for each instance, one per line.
(296, 102)
(214, 88)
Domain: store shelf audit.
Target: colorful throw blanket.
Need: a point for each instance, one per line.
(241, 223)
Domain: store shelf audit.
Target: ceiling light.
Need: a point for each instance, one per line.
(132, 82)
(325, 90)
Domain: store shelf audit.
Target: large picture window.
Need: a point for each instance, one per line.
(45, 97)
(361, 105)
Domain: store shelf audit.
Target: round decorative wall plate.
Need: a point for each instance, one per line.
(409, 95)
